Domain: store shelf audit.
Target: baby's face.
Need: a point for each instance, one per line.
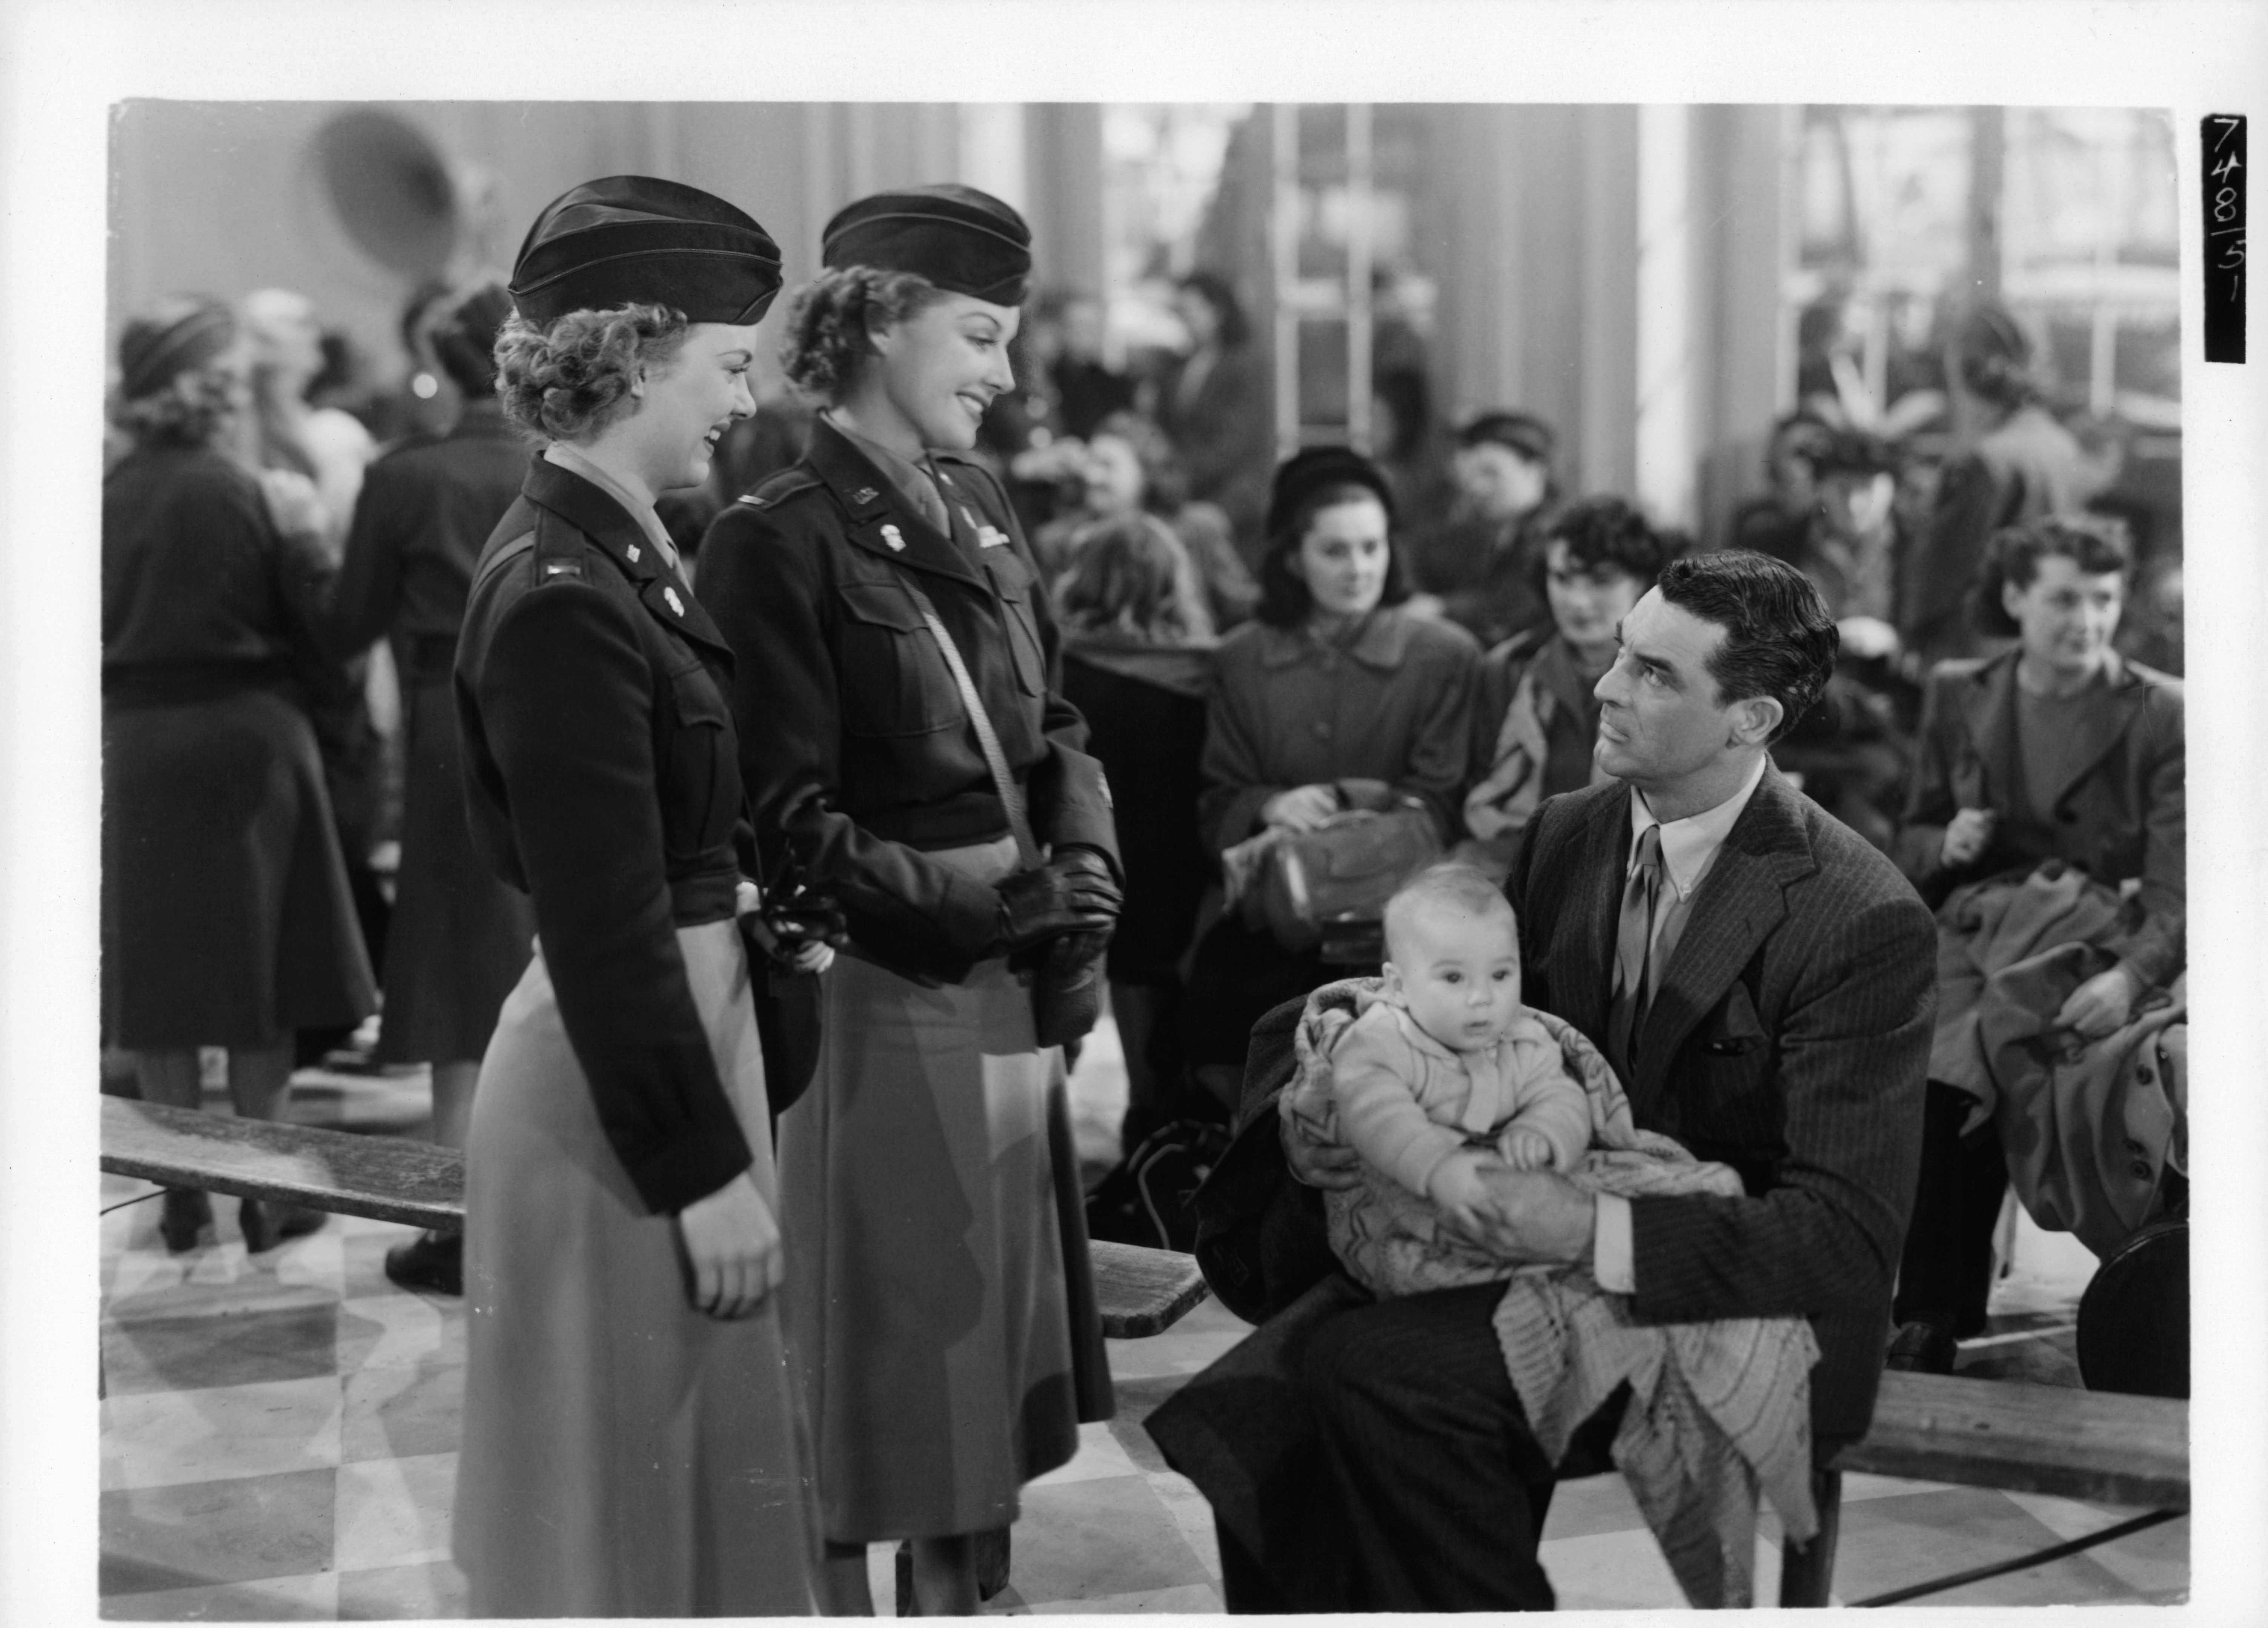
(1458, 974)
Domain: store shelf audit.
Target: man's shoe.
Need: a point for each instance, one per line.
(1921, 1348)
(431, 1261)
(266, 1224)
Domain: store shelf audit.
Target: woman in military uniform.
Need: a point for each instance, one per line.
(939, 1303)
(458, 939)
(632, 1441)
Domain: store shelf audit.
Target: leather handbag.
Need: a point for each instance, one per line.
(1067, 975)
(1321, 883)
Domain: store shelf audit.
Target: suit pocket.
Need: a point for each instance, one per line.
(1732, 1030)
(894, 679)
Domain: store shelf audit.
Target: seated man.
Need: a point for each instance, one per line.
(1762, 981)
(2057, 750)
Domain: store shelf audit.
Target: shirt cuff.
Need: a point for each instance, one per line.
(1611, 1266)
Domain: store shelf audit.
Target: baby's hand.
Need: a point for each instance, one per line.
(1525, 1149)
(1458, 1192)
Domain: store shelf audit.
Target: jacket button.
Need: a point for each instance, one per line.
(2143, 1076)
(2142, 1168)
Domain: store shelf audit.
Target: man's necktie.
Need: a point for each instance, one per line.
(1633, 948)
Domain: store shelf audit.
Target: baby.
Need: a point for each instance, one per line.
(1446, 1072)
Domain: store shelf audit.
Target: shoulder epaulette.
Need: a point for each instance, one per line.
(781, 486)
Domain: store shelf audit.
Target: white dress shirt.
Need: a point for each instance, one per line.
(1689, 848)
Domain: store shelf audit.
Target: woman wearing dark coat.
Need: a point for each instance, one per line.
(457, 937)
(1138, 663)
(633, 1445)
(1334, 697)
(226, 919)
(2058, 750)
(940, 1306)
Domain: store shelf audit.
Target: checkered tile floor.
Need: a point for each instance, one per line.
(279, 1442)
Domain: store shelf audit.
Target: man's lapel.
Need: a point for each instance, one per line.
(1584, 991)
(1742, 898)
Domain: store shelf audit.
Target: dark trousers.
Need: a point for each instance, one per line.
(1441, 1488)
(1945, 1274)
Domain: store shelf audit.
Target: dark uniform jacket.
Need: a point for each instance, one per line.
(602, 778)
(424, 513)
(854, 740)
(2123, 816)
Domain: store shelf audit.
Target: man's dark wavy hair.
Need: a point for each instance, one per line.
(1779, 641)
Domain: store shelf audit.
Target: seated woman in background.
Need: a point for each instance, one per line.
(1535, 718)
(1137, 664)
(1128, 467)
(1476, 569)
(2058, 750)
(1333, 697)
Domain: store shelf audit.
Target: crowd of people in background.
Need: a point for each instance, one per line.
(1127, 473)
(1255, 646)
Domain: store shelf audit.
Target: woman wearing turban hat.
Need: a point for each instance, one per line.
(632, 1440)
(457, 937)
(943, 1316)
(225, 916)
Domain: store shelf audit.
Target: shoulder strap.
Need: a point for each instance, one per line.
(1012, 798)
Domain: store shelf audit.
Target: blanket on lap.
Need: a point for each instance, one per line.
(1719, 1410)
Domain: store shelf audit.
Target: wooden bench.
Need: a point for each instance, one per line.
(2096, 1446)
(1141, 1292)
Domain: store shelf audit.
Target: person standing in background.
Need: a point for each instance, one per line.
(1137, 662)
(225, 916)
(2017, 464)
(1476, 571)
(317, 455)
(1213, 405)
(458, 939)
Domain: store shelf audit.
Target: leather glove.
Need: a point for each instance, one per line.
(1071, 893)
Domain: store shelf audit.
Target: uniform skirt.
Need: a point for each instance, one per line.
(623, 1455)
(932, 1318)
(226, 920)
(457, 942)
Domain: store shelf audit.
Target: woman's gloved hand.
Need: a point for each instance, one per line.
(1074, 892)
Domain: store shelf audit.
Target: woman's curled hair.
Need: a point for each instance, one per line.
(1129, 574)
(829, 323)
(2098, 545)
(571, 379)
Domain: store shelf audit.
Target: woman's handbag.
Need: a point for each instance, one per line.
(1067, 975)
(1313, 884)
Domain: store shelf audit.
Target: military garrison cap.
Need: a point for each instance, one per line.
(963, 240)
(633, 240)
